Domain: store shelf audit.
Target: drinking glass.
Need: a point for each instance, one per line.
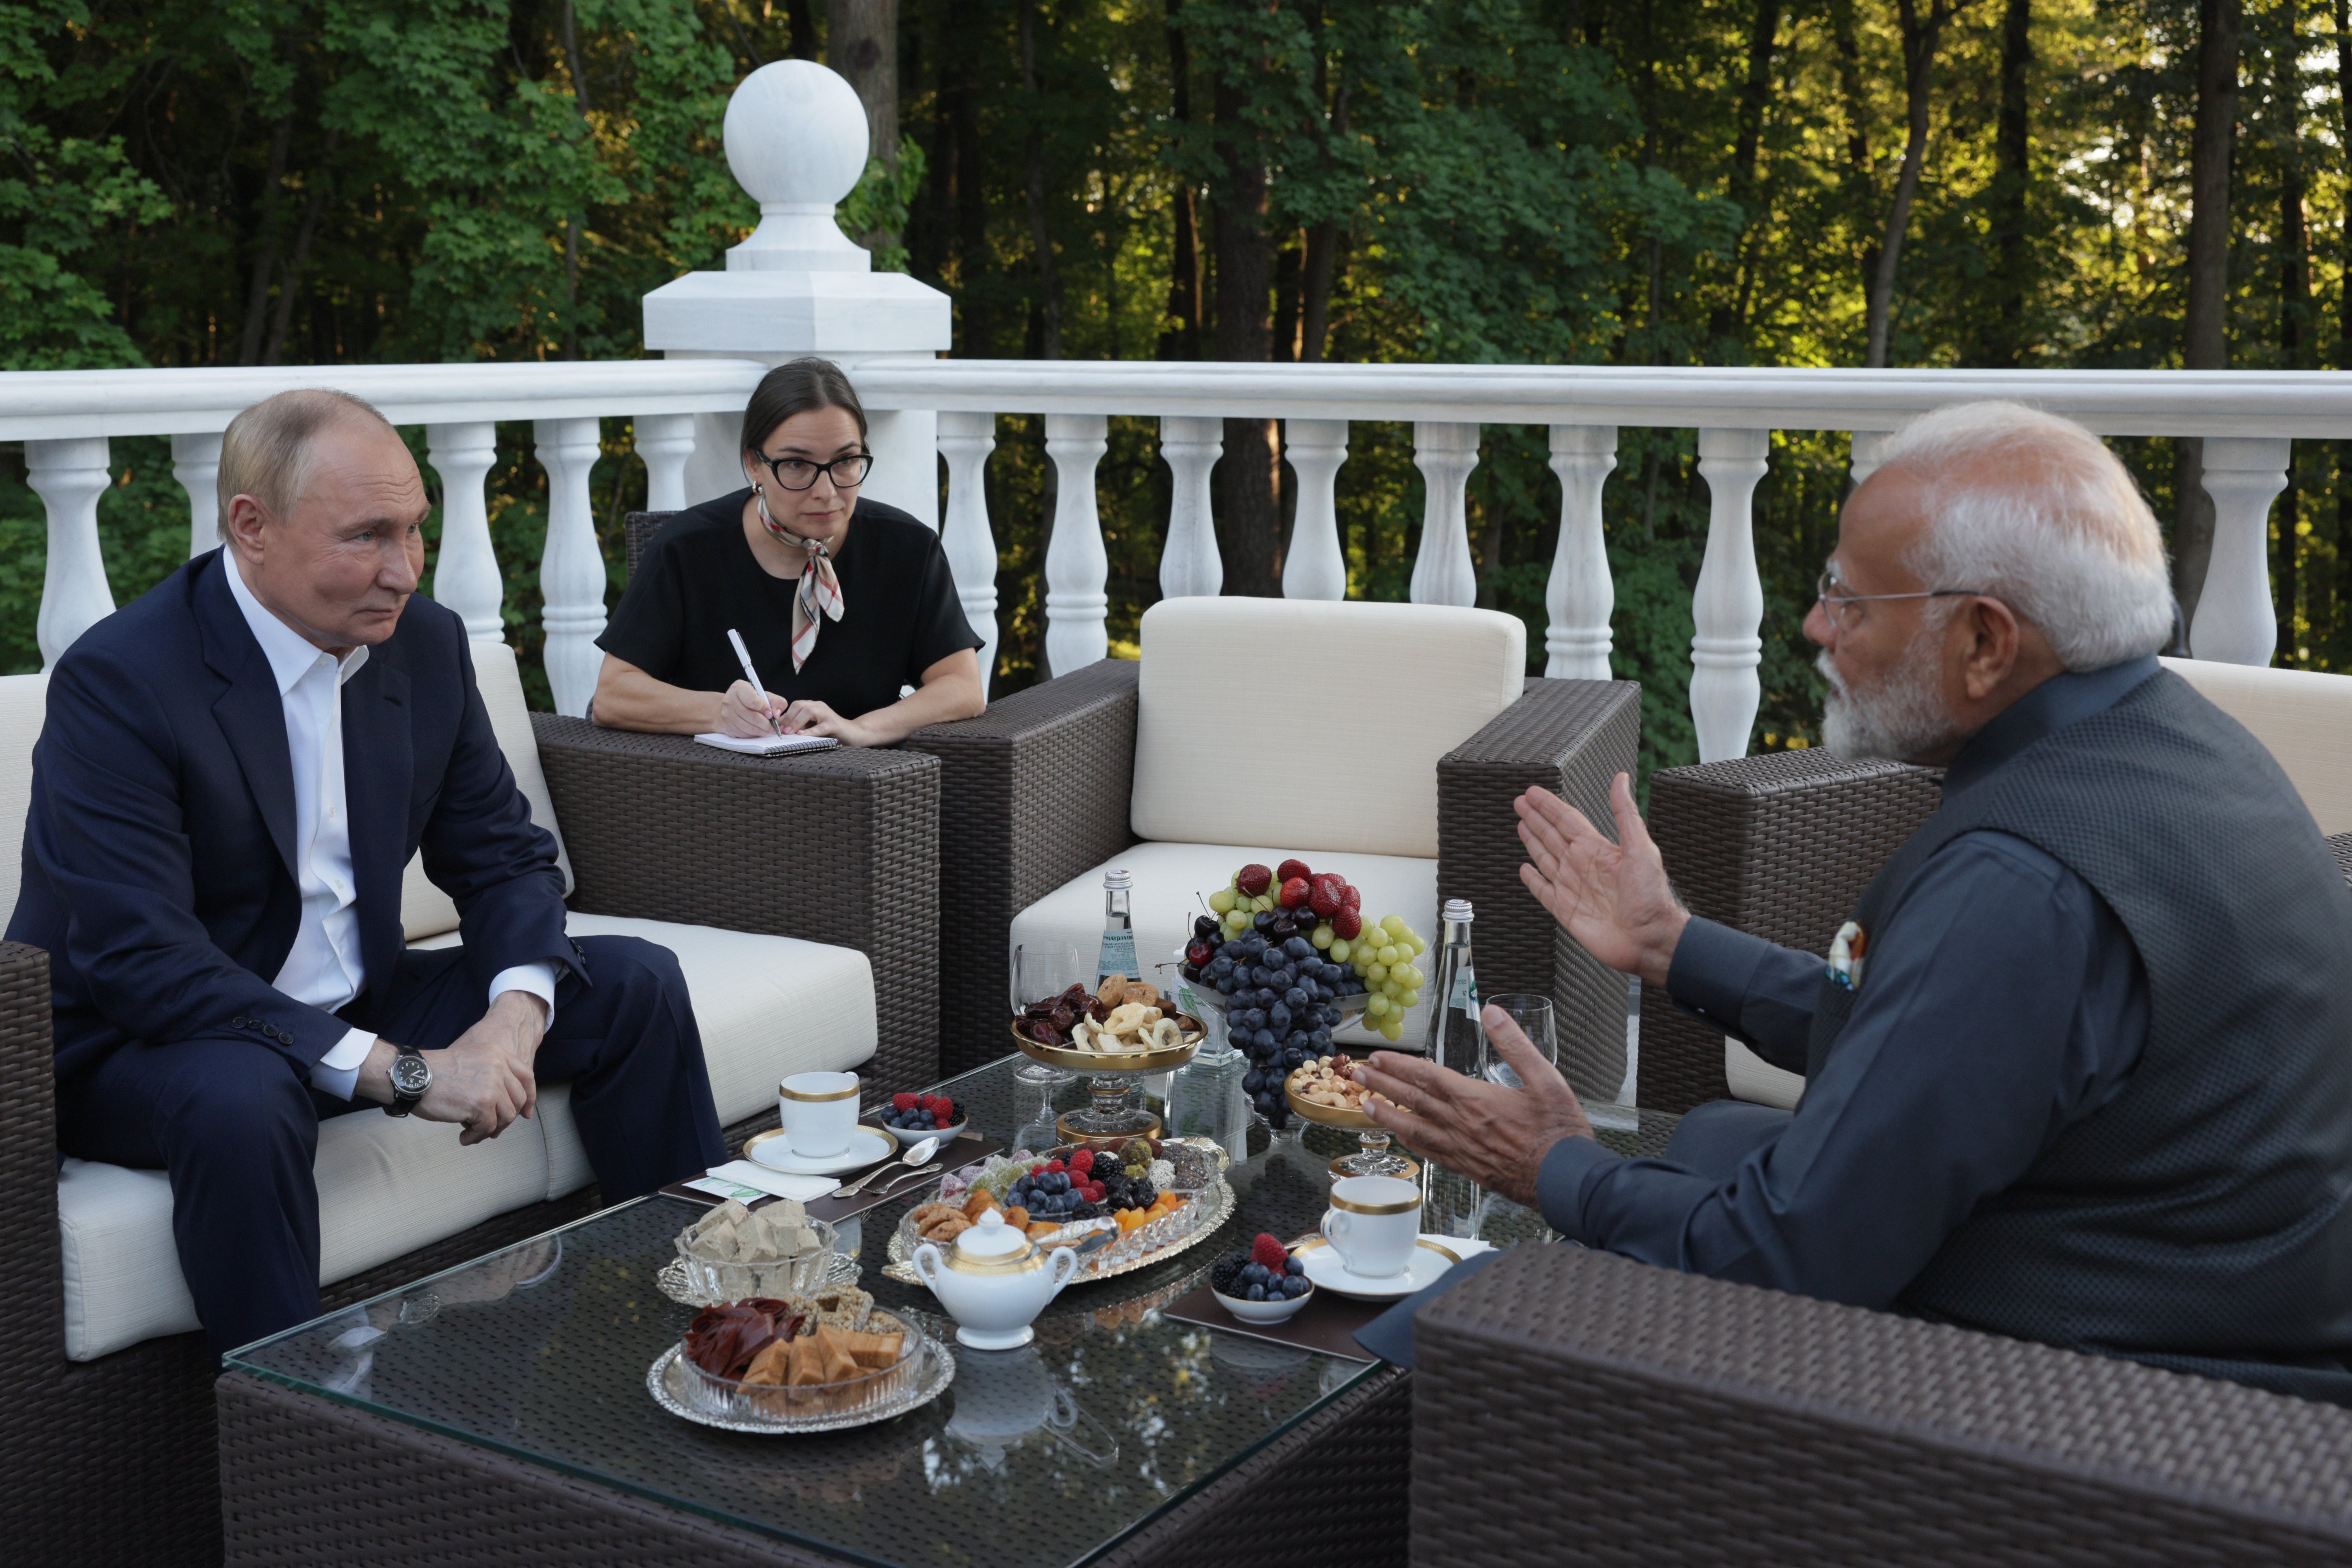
(1041, 969)
(1533, 1016)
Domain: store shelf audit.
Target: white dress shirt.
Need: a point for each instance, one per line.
(325, 968)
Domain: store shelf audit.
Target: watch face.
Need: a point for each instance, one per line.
(410, 1075)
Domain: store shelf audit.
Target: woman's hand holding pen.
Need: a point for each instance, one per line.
(744, 711)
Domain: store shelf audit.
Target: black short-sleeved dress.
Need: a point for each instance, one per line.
(900, 615)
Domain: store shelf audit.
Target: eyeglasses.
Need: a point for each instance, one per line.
(1845, 608)
(799, 474)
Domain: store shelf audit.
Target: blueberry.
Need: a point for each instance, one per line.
(1295, 1287)
(1295, 1265)
(1255, 1293)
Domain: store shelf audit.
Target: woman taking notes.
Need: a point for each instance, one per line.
(840, 603)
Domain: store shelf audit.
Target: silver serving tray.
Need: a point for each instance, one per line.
(934, 1370)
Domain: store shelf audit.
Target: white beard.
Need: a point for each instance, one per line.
(1901, 718)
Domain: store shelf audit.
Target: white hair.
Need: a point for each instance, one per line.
(2032, 510)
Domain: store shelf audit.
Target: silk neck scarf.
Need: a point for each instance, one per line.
(818, 598)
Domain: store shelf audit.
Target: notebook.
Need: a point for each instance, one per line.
(768, 745)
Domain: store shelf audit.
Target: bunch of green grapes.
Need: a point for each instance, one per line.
(1382, 955)
(1235, 909)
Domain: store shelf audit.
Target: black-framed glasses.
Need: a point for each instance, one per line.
(799, 473)
(1845, 608)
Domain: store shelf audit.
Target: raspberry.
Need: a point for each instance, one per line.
(939, 1118)
(1055, 1167)
(929, 1102)
(902, 1102)
(1083, 1159)
(1266, 1249)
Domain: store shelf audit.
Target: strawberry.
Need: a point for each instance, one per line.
(1254, 879)
(1351, 897)
(1293, 893)
(902, 1102)
(1266, 1249)
(1323, 894)
(1347, 923)
(1290, 868)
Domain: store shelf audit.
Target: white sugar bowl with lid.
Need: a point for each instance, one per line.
(995, 1281)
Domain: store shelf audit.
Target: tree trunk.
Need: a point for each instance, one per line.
(1182, 338)
(2343, 583)
(862, 44)
(977, 338)
(1048, 344)
(2003, 341)
(577, 69)
(1323, 239)
(282, 321)
(1920, 36)
(265, 247)
(1248, 473)
(1862, 176)
(1287, 266)
(2294, 311)
(1755, 93)
(805, 45)
(2204, 327)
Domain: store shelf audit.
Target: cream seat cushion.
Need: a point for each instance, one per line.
(1228, 684)
(2304, 716)
(22, 704)
(768, 1007)
(1172, 880)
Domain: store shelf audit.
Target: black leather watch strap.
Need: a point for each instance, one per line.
(419, 1077)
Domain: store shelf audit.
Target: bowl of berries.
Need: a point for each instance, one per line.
(911, 1117)
(1264, 1285)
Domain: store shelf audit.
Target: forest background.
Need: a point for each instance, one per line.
(1941, 183)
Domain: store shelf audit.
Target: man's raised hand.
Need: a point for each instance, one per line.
(1496, 1136)
(1614, 898)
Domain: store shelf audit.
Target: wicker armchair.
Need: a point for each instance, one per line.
(1571, 1405)
(1036, 790)
(114, 1460)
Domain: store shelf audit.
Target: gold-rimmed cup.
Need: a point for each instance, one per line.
(819, 1111)
(1373, 1224)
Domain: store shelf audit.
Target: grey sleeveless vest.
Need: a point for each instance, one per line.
(2199, 1220)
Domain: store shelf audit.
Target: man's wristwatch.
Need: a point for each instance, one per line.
(410, 1078)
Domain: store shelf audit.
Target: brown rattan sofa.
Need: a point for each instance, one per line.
(1037, 790)
(113, 1460)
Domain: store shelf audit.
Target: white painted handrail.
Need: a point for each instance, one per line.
(2247, 421)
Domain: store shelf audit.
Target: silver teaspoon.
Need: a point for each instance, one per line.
(920, 1154)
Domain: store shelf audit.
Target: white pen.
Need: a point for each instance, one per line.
(743, 655)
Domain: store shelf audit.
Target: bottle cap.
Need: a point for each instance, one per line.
(1117, 880)
(1457, 910)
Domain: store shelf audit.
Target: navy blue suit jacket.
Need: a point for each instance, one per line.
(159, 848)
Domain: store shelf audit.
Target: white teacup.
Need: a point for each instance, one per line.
(1373, 1224)
(819, 1111)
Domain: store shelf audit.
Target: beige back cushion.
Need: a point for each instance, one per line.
(2304, 716)
(425, 909)
(22, 706)
(1319, 722)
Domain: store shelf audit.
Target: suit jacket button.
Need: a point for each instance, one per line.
(240, 1023)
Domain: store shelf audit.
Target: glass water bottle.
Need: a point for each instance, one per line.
(1455, 1037)
(1118, 929)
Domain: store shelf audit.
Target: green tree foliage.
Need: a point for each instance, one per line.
(1592, 181)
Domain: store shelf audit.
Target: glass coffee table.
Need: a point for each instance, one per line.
(505, 1401)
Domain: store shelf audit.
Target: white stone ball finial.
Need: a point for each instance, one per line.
(797, 143)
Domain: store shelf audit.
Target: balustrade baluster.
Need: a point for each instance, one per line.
(1728, 605)
(1078, 569)
(2235, 621)
(1581, 595)
(1313, 567)
(465, 575)
(1866, 446)
(666, 442)
(69, 476)
(965, 441)
(571, 570)
(196, 464)
(1190, 565)
(1442, 573)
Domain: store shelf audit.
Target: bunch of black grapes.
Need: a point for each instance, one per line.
(1279, 992)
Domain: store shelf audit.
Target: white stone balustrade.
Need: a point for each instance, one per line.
(1581, 594)
(1190, 565)
(796, 140)
(965, 441)
(1444, 452)
(1077, 568)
